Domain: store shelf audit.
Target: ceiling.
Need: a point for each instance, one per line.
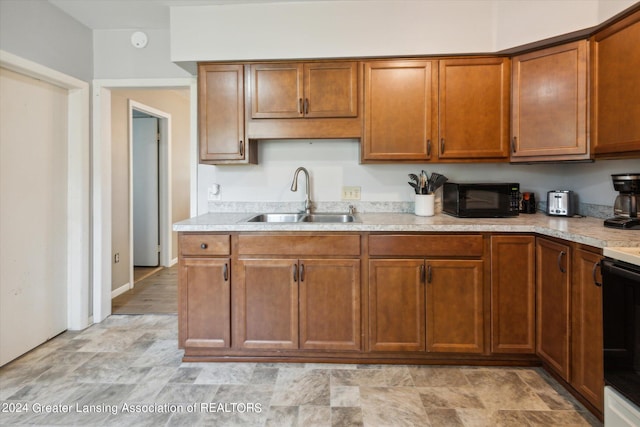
(137, 14)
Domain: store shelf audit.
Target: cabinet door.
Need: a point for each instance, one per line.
(265, 301)
(513, 294)
(587, 372)
(276, 91)
(331, 89)
(549, 104)
(204, 301)
(221, 112)
(329, 304)
(396, 305)
(616, 89)
(400, 110)
(473, 108)
(455, 319)
(553, 264)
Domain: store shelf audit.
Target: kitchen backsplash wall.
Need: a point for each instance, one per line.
(333, 164)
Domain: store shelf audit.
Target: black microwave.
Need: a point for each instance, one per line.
(481, 200)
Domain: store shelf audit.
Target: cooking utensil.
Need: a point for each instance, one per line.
(439, 181)
(425, 184)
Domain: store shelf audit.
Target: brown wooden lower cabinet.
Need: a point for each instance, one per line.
(396, 305)
(297, 303)
(587, 371)
(432, 305)
(455, 313)
(265, 303)
(330, 304)
(513, 303)
(553, 267)
(204, 303)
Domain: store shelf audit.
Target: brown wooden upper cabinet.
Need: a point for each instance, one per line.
(447, 110)
(615, 89)
(221, 113)
(473, 103)
(400, 110)
(550, 104)
(299, 90)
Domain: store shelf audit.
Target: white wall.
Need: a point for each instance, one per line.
(330, 29)
(117, 58)
(333, 164)
(42, 33)
(374, 28)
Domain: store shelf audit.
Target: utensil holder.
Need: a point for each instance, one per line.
(425, 204)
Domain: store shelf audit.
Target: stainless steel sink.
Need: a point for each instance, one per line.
(278, 217)
(303, 217)
(329, 217)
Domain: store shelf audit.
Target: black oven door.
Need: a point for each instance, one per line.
(621, 327)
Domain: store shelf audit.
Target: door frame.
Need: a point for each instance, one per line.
(164, 183)
(101, 176)
(78, 246)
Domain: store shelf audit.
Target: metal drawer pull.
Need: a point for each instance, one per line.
(300, 110)
(225, 272)
(295, 272)
(513, 144)
(422, 274)
(204, 246)
(241, 149)
(560, 255)
(306, 106)
(441, 145)
(429, 275)
(428, 147)
(595, 267)
(302, 272)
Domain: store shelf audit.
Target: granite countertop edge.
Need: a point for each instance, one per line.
(586, 230)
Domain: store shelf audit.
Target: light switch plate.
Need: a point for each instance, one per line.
(350, 193)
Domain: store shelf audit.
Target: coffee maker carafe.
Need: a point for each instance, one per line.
(625, 207)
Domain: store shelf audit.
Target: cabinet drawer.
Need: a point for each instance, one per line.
(426, 245)
(249, 244)
(204, 244)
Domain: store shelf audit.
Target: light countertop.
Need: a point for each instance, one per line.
(587, 230)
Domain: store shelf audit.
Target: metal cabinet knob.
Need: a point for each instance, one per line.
(204, 246)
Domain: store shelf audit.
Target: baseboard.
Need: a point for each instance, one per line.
(173, 262)
(121, 290)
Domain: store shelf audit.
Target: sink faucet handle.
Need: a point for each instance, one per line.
(352, 209)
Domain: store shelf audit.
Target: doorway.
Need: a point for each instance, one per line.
(149, 190)
(146, 190)
(107, 173)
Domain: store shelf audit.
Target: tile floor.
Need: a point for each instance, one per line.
(127, 370)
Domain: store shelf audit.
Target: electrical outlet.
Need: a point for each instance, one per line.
(213, 193)
(350, 193)
(116, 258)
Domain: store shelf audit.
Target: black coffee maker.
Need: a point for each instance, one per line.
(625, 207)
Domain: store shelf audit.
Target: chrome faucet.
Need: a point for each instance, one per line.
(294, 187)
